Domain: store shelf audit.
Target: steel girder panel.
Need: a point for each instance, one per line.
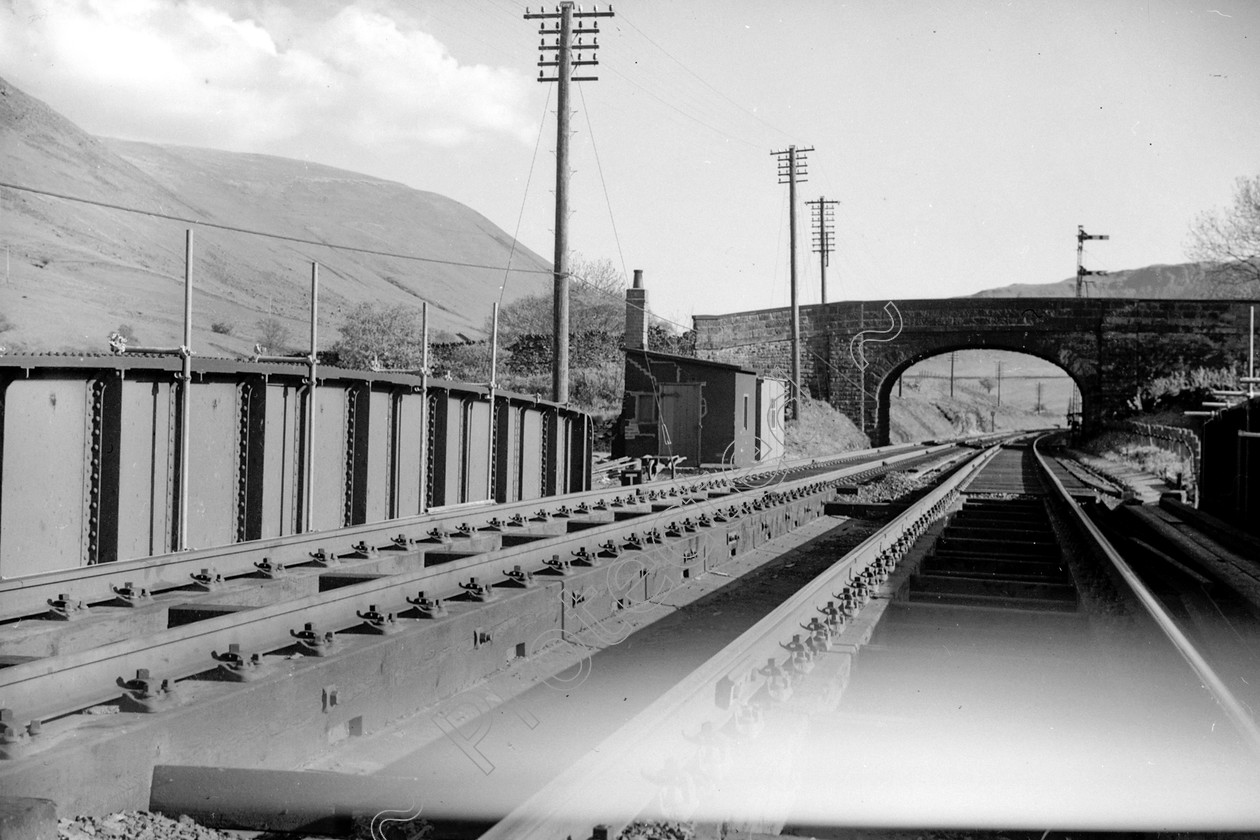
(476, 450)
(531, 454)
(213, 463)
(45, 499)
(282, 458)
(382, 453)
(409, 454)
(148, 452)
(329, 506)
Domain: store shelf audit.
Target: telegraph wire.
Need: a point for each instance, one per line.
(700, 79)
(726, 135)
(599, 167)
(265, 234)
(507, 270)
(282, 237)
(683, 111)
(657, 391)
(350, 248)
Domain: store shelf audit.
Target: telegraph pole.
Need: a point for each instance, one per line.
(791, 168)
(558, 37)
(1081, 272)
(824, 235)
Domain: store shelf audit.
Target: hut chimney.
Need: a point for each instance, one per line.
(636, 314)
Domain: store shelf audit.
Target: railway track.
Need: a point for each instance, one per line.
(986, 661)
(976, 637)
(258, 654)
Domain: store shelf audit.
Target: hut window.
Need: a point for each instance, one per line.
(745, 412)
(645, 408)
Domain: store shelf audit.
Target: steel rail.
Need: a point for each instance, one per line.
(579, 797)
(30, 595)
(57, 685)
(1234, 710)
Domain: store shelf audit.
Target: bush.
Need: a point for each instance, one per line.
(463, 361)
(221, 328)
(385, 336)
(1184, 389)
(273, 335)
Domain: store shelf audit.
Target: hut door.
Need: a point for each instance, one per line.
(680, 421)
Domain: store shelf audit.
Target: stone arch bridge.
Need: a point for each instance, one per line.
(852, 353)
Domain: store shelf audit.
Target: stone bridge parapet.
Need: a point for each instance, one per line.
(852, 353)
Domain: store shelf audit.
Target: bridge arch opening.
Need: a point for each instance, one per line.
(967, 390)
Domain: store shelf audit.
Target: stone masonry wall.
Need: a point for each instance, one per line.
(853, 353)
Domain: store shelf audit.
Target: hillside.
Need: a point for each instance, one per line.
(1032, 394)
(1184, 280)
(77, 271)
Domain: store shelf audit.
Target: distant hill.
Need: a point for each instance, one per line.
(75, 271)
(1184, 280)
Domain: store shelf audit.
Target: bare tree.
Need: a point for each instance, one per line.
(596, 303)
(375, 335)
(597, 275)
(1228, 239)
(273, 335)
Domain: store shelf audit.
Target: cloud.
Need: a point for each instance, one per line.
(256, 79)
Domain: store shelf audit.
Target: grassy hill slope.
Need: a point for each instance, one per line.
(1184, 280)
(77, 271)
(1034, 394)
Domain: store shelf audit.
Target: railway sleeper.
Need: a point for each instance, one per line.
(1018, 506)
(985, 523)
(1012, 594)
(1006, 508)
(1032, 549)
(938, 624)
(992, 568)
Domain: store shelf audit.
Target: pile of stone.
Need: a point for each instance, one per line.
(136, 825)
(652, 830)
(888, 488)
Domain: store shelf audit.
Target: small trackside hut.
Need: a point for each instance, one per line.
(702, 411)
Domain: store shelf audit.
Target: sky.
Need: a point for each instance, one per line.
(964, 140)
